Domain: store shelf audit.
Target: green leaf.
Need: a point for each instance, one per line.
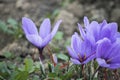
(35, 77)
(52, 75)
(22, 76)
(8, 54)
(63, 57)
(57, 69)
(59, 35)
(4, 71)
(29, 65)
(67, 42)
(37, 65)
(11, 21)
(3, 26)
(80, 79)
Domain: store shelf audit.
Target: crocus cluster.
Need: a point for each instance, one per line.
(43, 37)
(98, 41)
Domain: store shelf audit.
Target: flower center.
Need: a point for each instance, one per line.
(82, 58)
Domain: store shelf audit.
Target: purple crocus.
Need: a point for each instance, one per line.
(82, 50)
(101, 30)
(108, 53)
(43, 37)
(83, 47)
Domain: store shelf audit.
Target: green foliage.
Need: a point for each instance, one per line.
(64, 3)
(59, 35)
(4, 28)
(11, 27)
(23, 75)
(4, 71)
(63, 57)
(31, 70)
(29, 65)
(8, 55)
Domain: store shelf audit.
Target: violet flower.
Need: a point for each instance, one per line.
(101, 30)
(83, 47)
(43, 37)
(108, 53)
(82, 50)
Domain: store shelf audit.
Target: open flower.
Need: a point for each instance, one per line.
(108, 53)
(83, 47)
(43, 37)
(101, 30)
(82, 50)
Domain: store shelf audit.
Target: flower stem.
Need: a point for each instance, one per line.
(51, 57)
(41, 54)
(105, 74)
(95, 72)
(116, 74)
(83, 73)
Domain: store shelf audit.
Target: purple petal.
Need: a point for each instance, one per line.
(90, 38)
(86, 21)
(114, 66)
(102, 48)
(102, 62)
(114, 51)
(103, 24)
(72, 53)
(75, 61)
(56, 28)
(28, 26)
(90, 58)
(88, 45)
(46, 41)
(75, 43)
(117, 35)
(109, 31)
(94, 29)
(82, 32)
(45, 28)
(115, 58)
(35, 40)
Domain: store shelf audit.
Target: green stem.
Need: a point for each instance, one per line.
(95, 72)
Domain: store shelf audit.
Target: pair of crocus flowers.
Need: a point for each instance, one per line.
(96, 40)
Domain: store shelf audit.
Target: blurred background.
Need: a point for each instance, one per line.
(71, 12)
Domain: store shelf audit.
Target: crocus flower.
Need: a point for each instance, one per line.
(82, 49)
(108, 53)
(101, 30)
(43, 37)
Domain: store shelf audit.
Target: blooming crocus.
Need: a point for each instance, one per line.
(108, 53)
(82, 49)
(42, 37)
(101, 30)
